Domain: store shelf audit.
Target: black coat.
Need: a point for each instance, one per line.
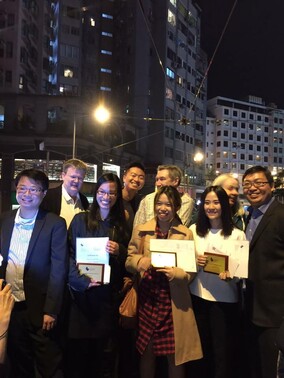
(94, 312)
(52, 200)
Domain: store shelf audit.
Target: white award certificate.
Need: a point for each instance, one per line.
(92, 250)
(92, 258)
(184, 250)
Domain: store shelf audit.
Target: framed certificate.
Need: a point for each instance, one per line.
(94, 271)
(216, 263)
(163, 259)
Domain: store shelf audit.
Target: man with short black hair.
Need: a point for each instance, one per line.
(33, 245)
(265, 284)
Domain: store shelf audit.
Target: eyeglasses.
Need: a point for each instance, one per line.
(256, 184)
(102, 193)
(24, 189)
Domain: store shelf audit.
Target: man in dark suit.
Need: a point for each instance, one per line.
(265, 284)
(35, 264)
(66, 199)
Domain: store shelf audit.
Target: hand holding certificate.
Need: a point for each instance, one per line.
(93, 259)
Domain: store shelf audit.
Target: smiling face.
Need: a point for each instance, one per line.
(164, 209)
(29, 202)
(73, 181)
(106, 195)
(257, 196)
(231, 186)
(134, 179)
(212, 208)
(163, 179)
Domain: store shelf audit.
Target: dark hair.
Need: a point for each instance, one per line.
(135, 164)
(116, 213)
(203, 224)
(172, 194)
(259, 168)
(38, 176)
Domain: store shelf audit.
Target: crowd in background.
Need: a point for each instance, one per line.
(58, 321)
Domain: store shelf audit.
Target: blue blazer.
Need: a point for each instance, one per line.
(46, 266)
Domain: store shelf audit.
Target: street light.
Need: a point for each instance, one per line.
(101, 114)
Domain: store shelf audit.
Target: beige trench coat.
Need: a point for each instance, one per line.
(187, 341)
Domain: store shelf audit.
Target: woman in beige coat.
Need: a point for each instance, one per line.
(166, 321)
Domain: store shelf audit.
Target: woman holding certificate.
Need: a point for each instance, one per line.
(214, 292)
(166, 325)
(93, 322)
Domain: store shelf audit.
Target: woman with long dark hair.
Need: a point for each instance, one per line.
(93, 323)
(166, 325)
(215, 298)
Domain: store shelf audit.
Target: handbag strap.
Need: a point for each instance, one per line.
(141, 246)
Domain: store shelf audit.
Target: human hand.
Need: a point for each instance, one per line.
(225, 275)
(112, 247)
(144, 264)
(168, 271)
(6, 305)
(201, 260)
(93, 283)
(49, 322)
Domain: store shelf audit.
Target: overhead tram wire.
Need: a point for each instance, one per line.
(184, 120)
(210, 62)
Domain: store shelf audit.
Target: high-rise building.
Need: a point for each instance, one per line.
(241, 134)
(60, 58)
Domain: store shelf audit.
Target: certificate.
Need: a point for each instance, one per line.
(184, 250)
(92, 250)
(163, 259)
(216, 263)
(94, 271)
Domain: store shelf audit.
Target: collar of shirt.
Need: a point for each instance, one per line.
(19, 221)
(68, 198)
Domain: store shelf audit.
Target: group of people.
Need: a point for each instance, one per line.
(66, 323)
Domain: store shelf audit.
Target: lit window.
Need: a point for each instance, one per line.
(170, 73)
(171, 18)
(106, 70)
(92, 22)
(106, 34)
(108, 89)
(68, 72)
(106, 52)
(104, 15)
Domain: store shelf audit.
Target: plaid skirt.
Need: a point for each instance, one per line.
(155, 314)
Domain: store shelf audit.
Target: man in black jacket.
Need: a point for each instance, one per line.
(66, 199)
(265, 284)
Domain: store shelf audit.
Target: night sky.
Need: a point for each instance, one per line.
(250, 59)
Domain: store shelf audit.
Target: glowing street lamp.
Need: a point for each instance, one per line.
(101, 115)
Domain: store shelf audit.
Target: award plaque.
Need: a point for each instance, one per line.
(163, 259)
(94, 271)
(216, 263)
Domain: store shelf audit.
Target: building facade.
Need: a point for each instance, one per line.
(241, 134)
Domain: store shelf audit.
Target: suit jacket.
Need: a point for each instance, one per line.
(52, 200)
(46, 265)
(265, 284)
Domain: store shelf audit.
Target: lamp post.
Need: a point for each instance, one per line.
(101, 114)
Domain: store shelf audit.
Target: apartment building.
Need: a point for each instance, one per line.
(241, 134)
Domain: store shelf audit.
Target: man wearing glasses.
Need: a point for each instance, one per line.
(66, 199)
(35, 263)
(265, 284)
